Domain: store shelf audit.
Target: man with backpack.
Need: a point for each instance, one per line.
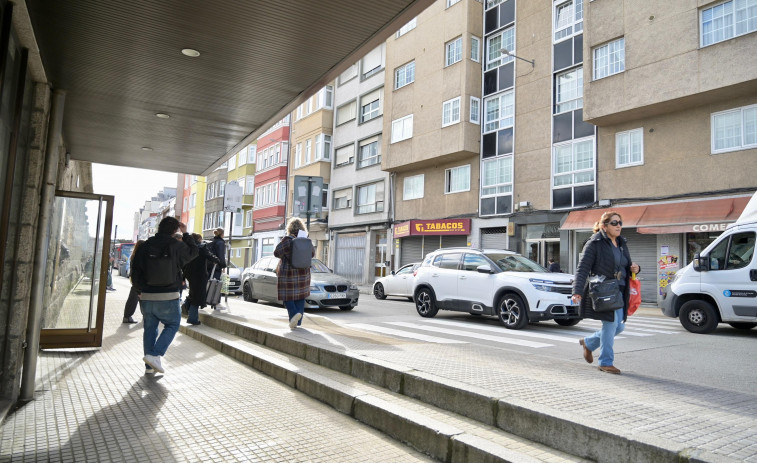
(156, 273)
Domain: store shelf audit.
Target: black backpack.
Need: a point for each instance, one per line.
(159, 267)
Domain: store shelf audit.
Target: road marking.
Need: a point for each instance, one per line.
(404, 334)
(504, 331)
(632, 330)
(472, 334)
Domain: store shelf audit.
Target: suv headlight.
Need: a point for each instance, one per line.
(543, 285)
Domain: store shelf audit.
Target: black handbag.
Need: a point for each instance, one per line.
(605, 295)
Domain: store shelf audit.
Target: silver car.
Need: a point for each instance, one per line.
(235, 278)
(326, 289)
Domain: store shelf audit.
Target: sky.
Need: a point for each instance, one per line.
(131, 188)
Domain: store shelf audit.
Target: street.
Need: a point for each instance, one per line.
(652, 345)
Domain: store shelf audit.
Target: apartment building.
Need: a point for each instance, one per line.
(359, 223)
(270, 185)
(432, 128)
(195, 209)
(310, 170)
(214, 215)
(241, 169)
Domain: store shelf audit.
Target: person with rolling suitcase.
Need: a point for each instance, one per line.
(196, 273)
(213, 292)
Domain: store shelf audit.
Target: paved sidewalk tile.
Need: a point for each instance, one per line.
(98, 406)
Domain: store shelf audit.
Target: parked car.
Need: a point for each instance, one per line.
(326, 288)
(235, 279)
(399, 283)
(493, 282)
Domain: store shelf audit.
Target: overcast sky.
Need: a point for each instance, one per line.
(131, 188)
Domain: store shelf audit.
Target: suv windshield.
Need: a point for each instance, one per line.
(515, 263)
(316, 266)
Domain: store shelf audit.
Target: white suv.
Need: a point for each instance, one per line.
(493, 282)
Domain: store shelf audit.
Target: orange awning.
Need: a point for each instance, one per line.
(675, 217)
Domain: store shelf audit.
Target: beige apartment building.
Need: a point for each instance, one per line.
(431, 126)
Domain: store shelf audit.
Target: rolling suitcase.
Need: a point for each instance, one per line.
(213, 290)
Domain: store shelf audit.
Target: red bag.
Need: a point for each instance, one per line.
(635, 290)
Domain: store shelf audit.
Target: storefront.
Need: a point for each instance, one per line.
(662, 237)
(361, 254)
(416, 238)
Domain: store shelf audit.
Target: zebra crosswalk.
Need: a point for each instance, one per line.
(546, 334)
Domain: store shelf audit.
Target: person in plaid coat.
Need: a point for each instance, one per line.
(293, 284)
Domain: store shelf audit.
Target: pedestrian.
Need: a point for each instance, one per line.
(133, 299)
(109, 279)
(218, 247)
(196, 273)
(606, 254)
(293, 284)
(554, 267)
(156, 271)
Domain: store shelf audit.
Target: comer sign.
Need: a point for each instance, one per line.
(432, 227)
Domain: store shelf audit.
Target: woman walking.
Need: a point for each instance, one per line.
(196, 273)
(605, 254)
(293, 284)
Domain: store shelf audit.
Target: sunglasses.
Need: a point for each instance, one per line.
(615, 223)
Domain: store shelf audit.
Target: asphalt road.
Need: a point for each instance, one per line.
(652, 345)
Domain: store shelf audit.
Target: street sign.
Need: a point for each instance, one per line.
(232, 198)
(301, 195)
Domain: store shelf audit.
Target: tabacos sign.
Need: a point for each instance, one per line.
(432, 227)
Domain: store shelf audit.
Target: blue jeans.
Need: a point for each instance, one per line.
(194, 314)
(294, 307)
(605, 338)
(156, 312)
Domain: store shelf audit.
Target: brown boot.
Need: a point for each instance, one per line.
(587, 353)
(609, 369)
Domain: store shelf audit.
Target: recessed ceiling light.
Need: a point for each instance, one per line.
(146, 148)
(191, 52)
(162, 115)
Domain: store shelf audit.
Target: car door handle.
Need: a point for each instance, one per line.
(434, 274)
(753, 274)
(463, 277)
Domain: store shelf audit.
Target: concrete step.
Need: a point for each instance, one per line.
(444, 435)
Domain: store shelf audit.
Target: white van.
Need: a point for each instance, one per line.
(720, 284)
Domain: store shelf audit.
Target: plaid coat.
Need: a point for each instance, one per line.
(293, 283)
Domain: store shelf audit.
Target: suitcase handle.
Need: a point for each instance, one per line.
(212, 272)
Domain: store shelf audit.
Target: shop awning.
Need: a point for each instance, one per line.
(703, 215)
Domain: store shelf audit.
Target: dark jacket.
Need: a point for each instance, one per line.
(218, 247)
(292, 284)
(598, 259)
(196, 273)
(180, 252)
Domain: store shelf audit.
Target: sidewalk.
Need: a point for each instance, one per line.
(98, 406)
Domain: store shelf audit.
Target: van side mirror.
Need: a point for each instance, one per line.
(701, 263)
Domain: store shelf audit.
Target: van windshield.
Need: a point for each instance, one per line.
(515, 263)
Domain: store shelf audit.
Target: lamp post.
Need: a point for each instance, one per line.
(507, 52)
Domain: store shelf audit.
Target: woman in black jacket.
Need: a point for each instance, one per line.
(218, 248)
(606, 253)
(196, 273)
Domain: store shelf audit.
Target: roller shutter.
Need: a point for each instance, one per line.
(643, 249)
(411, 250)
(494, 238)
(454, 241)
(349, 256)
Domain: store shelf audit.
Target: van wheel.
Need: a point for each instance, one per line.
(512, 312)
(247, 293)
(698, 317)
(425, 303)
(567, 322)
(743, 325)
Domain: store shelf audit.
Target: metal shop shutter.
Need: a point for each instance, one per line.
(350, 255)
(454, 241)
(411, 250)
(643, 250)
(494, 238)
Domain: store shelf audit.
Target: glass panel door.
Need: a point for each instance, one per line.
(380, 255)
(77, 270)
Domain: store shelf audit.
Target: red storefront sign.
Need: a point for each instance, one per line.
(432, 227)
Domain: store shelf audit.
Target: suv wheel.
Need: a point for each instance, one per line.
(512, 312)
(425, 303)
(698, 316)
(567, 322)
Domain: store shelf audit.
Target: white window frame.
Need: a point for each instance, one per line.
(413, 187)
(298, 155)
(407, 72)
(459, 170)
(624, 142)
(407, 27)
(348, 74)
(734, 22)
(498, 187)
(308, 151)
(323, 147)
(346, 194)
(493, 3)
(250, 185)
(350, 158)
(248, 219)
(451, 112)
(452, 2)
(609, 59)
(747, 130)
(252, 154)
(505, 111)
(373, 111)
(495, 43)
(453, 51)
(474, 110)
(569, 97)
(573, 24)
(574, 169)
(475, 49)
(351, 112)
(232, 163)
(402, 129)
(372, 205)
(282, 191)
(375, 158)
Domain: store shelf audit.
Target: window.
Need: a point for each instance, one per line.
(735, 129)
(727, 20)
(493, 3)
(186, 203)
(324, 98)
(282, 191)
(250, 184)
(475, 48)
(404, 75)
(497, 176)
(372, 62)
(413, 187)
(569, 90)
(369, 152)
(450, 261)
(248, 218)
(629, 148)
(475, 110)
(242, 158)
(471, 262)
(343, 199)
(610, 59)
(232, 163)
(739, 250)
(346, 113)
(298, 155)
(240, 182)
(498, 112)
(266, 249)
(407, 27)
(454, 51)
(370, 198)
(323, 147)
(457, 179)
(193, 200)
(345, 155)
(370, 105)
(348, 74)
(222, 188)
(568, 18)
(308, 150)
(251, 153)
(402, 128)
(452, 2)
(495, 43)
(573, 163)
(451, 112)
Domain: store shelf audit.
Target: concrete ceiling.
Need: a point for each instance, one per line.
(120, 63)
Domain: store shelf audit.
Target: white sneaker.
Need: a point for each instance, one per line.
(294, 320)
(154, 362)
